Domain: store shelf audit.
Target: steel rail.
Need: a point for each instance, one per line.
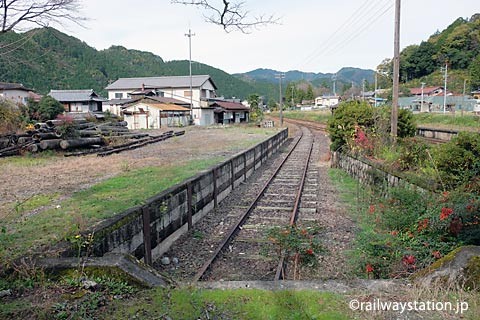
(232, 232)
(293, 218)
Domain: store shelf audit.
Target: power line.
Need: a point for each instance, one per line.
(364, 12)
(378, 14)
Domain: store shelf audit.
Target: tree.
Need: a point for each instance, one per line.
(309, 95)
(48, 108)
(272, 105)
(230, 15)
(10, 117)
(475, 73)
(40, 12)
(256, 113)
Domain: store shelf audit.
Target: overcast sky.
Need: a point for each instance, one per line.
(314, 35)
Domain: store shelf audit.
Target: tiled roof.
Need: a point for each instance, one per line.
(13, 86)
(230, 106)
(160, 82)
(426, 90)
(159, 105)
(74, 95)
(167, 100)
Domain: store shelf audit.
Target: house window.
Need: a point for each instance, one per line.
(118, 95)
(187, 93)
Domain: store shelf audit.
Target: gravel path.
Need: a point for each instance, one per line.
(195, 247)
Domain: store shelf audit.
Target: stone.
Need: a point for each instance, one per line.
(175, 260)
(459, 269)
(165, 261)
(5, 293)
(89, 285)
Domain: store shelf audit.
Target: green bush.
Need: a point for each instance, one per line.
(458, 161)
(413, 153)
(345, 119)
(46, 109)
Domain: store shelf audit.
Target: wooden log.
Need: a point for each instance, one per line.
(88, 133)
(46, 136)
(130, 136)
(40, 125)
(179, 133)
(50, 144)
(113, 129)
(114, 124)
(23, 140)
(34, 147)
(82, 126)
(81, 142)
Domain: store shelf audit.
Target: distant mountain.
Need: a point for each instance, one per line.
(344, 75)
(46, 58)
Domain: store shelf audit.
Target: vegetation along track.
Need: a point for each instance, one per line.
(245, 253)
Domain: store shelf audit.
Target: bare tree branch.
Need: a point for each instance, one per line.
(230, 15)
(39, 12)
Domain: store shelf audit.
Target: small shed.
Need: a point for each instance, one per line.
(230, 112)
(151, 113)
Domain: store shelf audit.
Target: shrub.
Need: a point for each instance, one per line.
(458, 161)
(347, 118)
(48, 108)
(10, 117)
(413, 153)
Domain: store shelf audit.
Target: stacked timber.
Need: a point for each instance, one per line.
(60, 134)
(90, 137)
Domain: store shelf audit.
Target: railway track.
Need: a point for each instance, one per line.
(245, 253)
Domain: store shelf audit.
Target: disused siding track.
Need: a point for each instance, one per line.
(245, 253)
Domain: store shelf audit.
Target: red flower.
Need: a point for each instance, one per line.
(422, 225)
(309, 251)
(446, 212)
(436, 254)
(409, 260)
(371, 209)
(369, 268)
(394, 233)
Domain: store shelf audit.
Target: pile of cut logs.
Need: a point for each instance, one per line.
(81, 134)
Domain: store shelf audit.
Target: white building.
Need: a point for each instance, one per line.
(155, 113)
(177, 87)
(16, 92)
(326, 101)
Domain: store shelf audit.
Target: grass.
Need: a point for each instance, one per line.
(448, 121)
(87, 207)
(29, 160)
(233, 304)
(321, 116)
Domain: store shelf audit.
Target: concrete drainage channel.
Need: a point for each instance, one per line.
(146, 232)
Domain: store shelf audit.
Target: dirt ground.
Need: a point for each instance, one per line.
(62, 176)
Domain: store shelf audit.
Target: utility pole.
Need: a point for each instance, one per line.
(293, 97)
(375, 90)
(396, 71)
(280, 76)
(463, 97)
(445, 76)
(334, 78)
(352, 91)
(421, 103)
(190, 35)
(363, 89)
